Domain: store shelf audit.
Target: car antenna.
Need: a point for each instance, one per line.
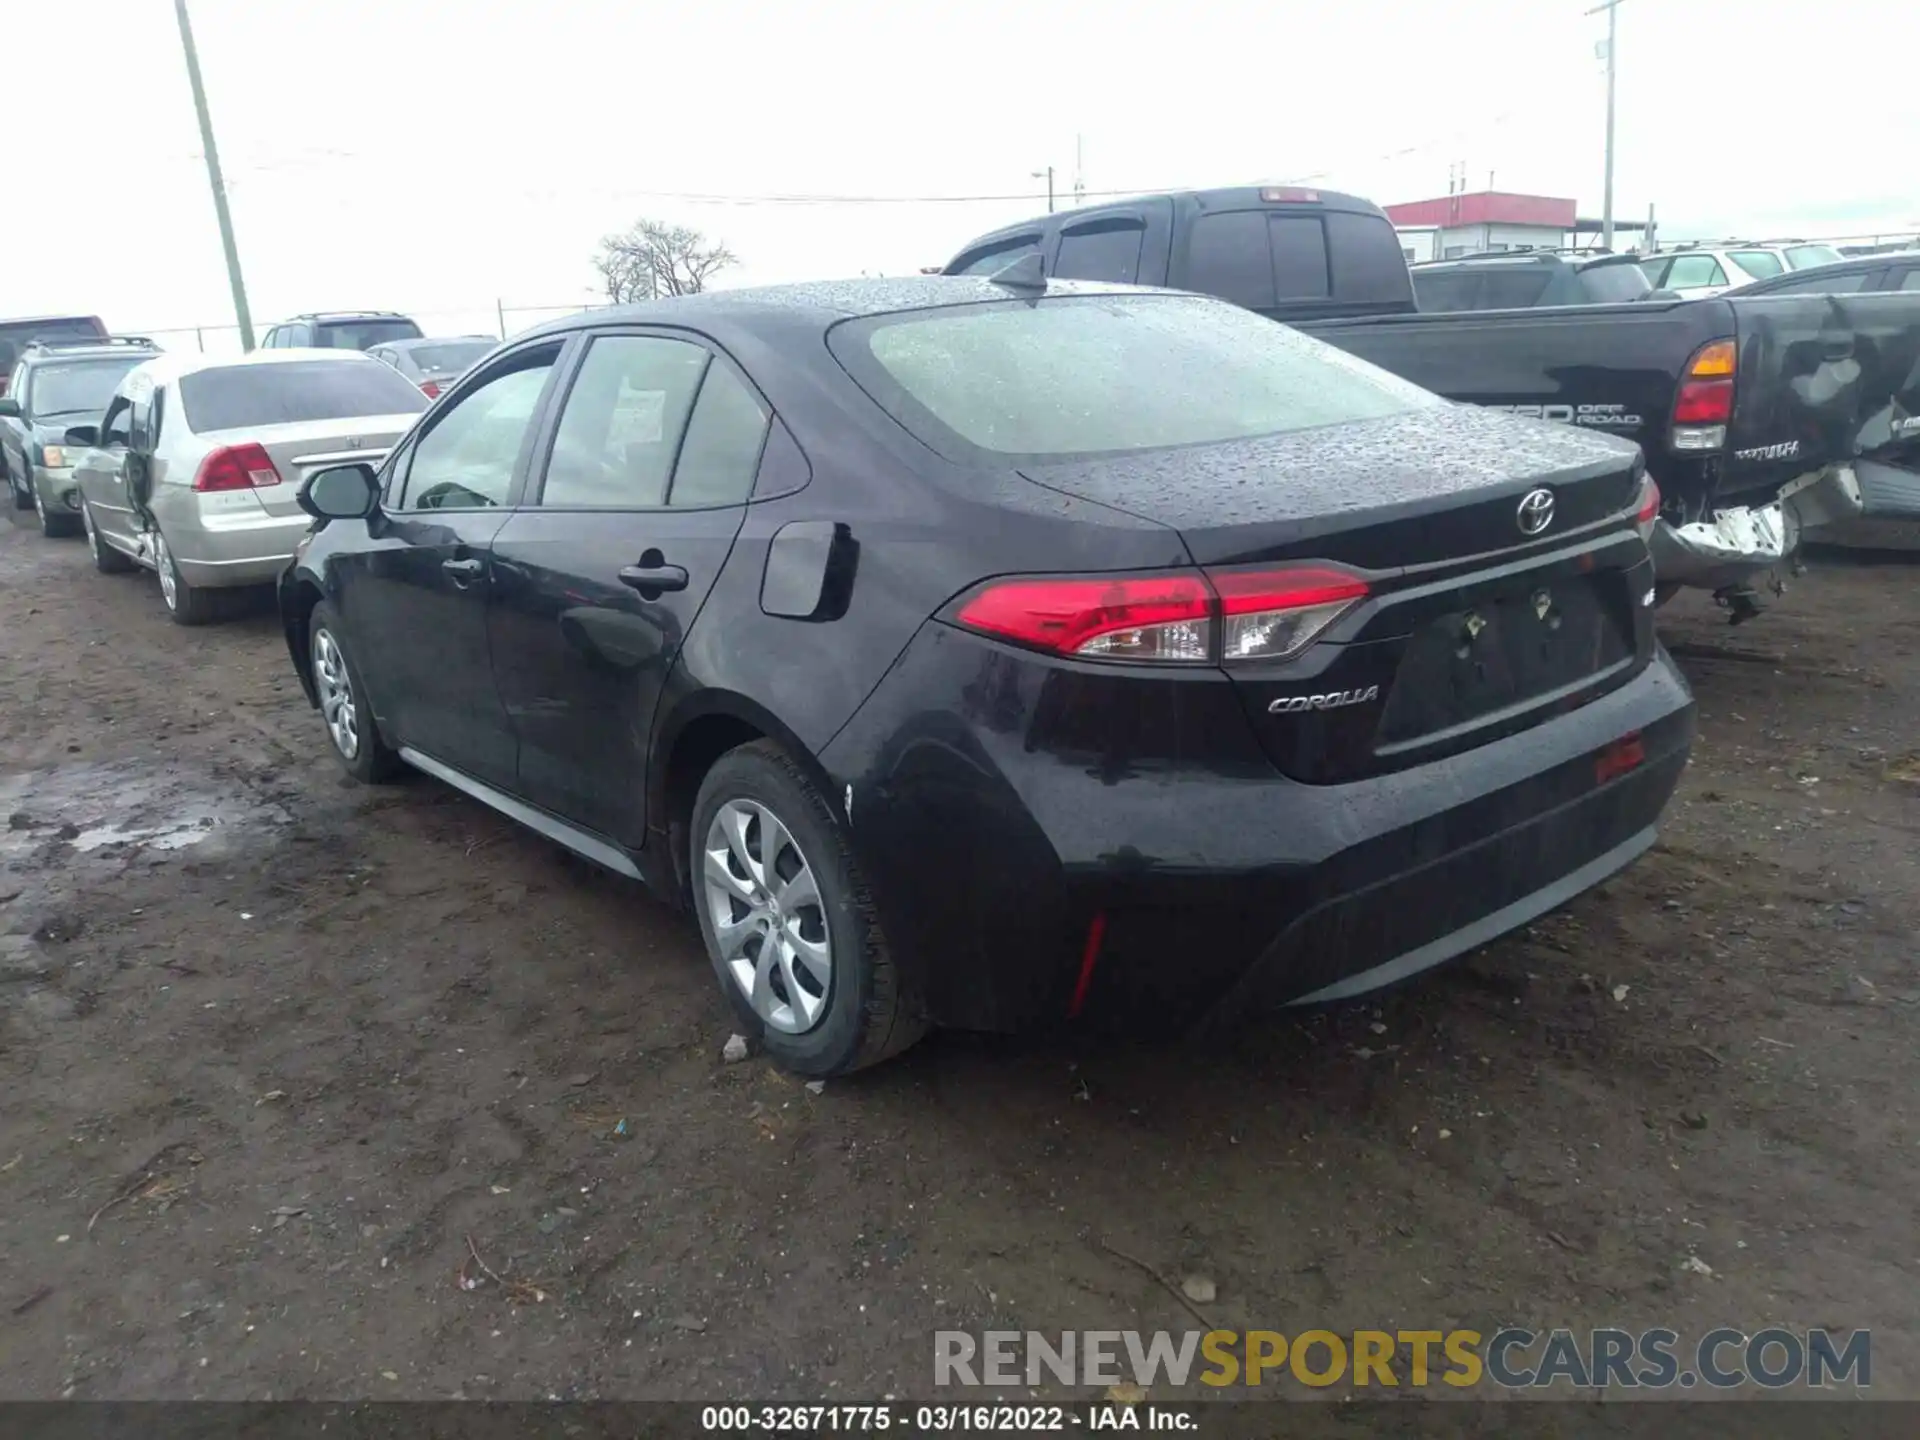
(1029, 272)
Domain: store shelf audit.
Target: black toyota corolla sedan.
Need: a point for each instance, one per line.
(978, 655)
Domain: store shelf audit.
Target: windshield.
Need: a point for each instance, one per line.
(1801, 257)
(1106, 375)
(363, 334)
(1761, 264)
(81, 387)
(246, 397)
(455, 355)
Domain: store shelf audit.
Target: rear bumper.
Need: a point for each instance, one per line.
(1220, 886)
(237, 547)
(1741, 542)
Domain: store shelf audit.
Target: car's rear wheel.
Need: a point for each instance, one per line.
(106, 559)
(343, 702)
(789, 925)
(188, 604)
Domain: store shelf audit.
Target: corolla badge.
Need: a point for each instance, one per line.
(1332, 700)
(1536, 511)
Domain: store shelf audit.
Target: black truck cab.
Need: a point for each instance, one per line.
(1284, 251)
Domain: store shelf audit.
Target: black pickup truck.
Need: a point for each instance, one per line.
(1760, 418)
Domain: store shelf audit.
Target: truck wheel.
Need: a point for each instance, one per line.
(789, 925)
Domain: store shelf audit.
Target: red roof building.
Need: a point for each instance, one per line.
(1472, 222)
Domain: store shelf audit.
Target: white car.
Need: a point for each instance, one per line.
(1707, 270)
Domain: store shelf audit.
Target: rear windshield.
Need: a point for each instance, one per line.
(16, 334)
(79, 387)
(453, 356)
(1761, 264)
(245, 397)
(363, 334)
(1614, 282)
(1800, 257)
(1103, 375)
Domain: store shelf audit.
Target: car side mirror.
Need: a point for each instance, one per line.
(341, 492)
(9, 408)
(82, 437)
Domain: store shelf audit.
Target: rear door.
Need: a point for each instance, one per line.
(416, 598)
(600, 576)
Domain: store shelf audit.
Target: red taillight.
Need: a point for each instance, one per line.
(1626, 753)
(430, 388)
(1186, 618)
(236, 467)
(1704, 402)
(1649, 503)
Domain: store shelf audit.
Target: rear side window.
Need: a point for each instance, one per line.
(1109, 252)
(1760, 264)
(1091, 375)
(245, 397)
(626, 409)
(1512, 288)
(721, 453)
(1911, 280)
(1694, 272)
(1615, 283)
(1800, 257)
(1814, 283)
(1000, 255)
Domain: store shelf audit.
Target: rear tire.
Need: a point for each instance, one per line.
(106, 559)
(344, 704)
(187, 604)
(790, 928)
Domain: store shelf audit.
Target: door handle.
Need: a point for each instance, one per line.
(657, 578)
(462, 569)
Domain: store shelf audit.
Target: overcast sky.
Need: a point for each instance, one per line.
(433, 156)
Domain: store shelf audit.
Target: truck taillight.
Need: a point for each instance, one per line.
(1212, 617)
(236, 467)
(1705, 403)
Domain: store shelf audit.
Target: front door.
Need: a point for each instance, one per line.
(418, 607)
(101, 475)
(599, 576)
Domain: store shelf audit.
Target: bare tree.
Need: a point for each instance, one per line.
(652, 259)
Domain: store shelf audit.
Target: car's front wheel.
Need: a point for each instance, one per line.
(106, 559)
(53, 524)
(789, 925)
(343, 702)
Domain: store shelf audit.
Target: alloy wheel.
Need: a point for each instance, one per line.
(163, 562)
(768, 919)
(335, 685)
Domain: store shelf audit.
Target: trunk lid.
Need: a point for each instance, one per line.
(1473, 627)
(300, 448)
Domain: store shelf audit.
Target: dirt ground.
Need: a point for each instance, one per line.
(289, 1064)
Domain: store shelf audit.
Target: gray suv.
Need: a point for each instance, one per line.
(55, 384)
(340, 330)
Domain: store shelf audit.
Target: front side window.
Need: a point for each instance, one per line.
(1102, 375)
(1002, 254)
(624, 415)
(467, 460)
(1911, 280)
(117, 430)
(1694, 272)
(1760, 264)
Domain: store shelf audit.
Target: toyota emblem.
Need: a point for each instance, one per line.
(1536, 511)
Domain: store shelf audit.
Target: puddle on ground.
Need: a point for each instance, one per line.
(148, 805)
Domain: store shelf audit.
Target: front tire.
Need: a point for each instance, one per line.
(187, 604)
(789, 925)
(357, 743)
(53, 525)
(106, 559)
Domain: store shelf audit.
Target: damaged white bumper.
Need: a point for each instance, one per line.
(1742, 542)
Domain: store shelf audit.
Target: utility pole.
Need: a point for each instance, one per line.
(240, 311)
(1079, 170)
(1047, 175)
(1612, 7)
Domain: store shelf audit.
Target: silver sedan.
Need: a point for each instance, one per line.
(195, 468)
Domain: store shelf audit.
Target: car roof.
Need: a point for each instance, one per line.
(165, 369)
(823, 303)
(6, 320)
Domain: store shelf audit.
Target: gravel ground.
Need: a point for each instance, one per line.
(321, 1091)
